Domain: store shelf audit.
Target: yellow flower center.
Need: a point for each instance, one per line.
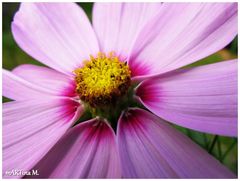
(102, 79)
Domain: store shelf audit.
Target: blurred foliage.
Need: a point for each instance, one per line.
(222, 148)
(225, 149)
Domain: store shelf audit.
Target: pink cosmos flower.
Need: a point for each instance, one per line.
(151, 42)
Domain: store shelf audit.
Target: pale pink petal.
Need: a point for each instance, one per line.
(181, 34)
(56, 34)
(150, 148)
(33, 82)
(202, 98)
(117, 24)
(88, 150)
(47, 78)
(31, 128)
(17, 88)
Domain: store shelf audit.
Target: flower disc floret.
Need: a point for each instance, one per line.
(102, 79)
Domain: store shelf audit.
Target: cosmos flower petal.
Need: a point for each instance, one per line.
(182, 34)
(32, 127)
(150, 148)
(88, 150)
(17, 88)
(32, 82)
(57, 34)
(117, 24)
(202, 98)
(47, 78)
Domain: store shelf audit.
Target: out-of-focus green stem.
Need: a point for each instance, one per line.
(219, 148)
(212, 144)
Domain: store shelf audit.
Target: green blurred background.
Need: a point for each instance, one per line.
(222, 148)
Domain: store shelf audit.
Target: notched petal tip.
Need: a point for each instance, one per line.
(88, 150)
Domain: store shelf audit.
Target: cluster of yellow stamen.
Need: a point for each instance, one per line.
(102, 79)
